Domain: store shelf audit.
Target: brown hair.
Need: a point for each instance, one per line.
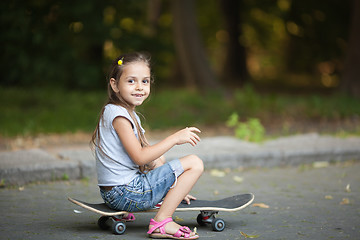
(115, 72)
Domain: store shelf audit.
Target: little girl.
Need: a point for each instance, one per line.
(133, 175)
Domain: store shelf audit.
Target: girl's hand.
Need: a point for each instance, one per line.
(187, 135)
(188, 198)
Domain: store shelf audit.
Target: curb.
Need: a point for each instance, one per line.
(27, 166)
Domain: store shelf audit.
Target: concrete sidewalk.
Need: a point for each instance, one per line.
(26, 166)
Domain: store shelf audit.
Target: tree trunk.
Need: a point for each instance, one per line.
(190, 50)
(351, 76)
(153, 15)
(235, 69)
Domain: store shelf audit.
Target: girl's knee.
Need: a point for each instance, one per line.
(192, 162)
(197, 163)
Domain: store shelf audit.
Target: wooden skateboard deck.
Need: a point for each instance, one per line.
(207, 209)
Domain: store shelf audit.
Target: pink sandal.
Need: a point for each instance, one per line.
(182, 233)
(129, 218)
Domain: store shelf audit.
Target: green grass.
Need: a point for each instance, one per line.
(29, 112)
(33, 111)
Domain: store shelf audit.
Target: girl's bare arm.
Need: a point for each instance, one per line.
(144, 155)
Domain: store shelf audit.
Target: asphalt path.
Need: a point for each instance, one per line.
(313, 201)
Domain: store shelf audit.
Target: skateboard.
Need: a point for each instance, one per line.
(208, 210)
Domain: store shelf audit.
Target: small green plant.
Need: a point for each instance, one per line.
(251, 130)
(65, 177)
(2, 183)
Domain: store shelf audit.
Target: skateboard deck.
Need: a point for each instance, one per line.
(208, 209)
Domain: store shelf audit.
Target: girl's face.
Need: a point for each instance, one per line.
(134, 83)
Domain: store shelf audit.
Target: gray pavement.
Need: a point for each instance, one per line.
(305, 187)
(303, 203)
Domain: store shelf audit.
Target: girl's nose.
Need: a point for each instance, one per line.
(139, 86)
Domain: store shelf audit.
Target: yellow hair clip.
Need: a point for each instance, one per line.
(120, 62)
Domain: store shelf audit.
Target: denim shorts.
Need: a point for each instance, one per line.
(145, 190)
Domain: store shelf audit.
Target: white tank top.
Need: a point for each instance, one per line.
(115, 167)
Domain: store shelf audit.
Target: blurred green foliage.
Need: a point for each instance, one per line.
(55, 55)
(250, 130)
(69, 43)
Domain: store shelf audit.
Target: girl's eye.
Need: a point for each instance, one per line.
(146, 81)
(131, 81)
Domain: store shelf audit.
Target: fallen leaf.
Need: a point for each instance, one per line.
(178, 219)
(238, 179)
(77, 211)
(248, 236)
(348, 188)
(244, 234)
(217, 173)
(320, 164)
(216, 192)
(328, 197)
(260, 205)
(345, 201)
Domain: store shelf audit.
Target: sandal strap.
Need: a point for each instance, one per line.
(159, 225)
(130, 217)
(183, 230)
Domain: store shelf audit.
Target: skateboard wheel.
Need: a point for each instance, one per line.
(119, 228)
(218, 225)
(200, 221)
(102, 223)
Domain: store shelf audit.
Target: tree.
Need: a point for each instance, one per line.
(190, 50)
(235, 69)
(351, 75)
(51, 43)
(316, 34)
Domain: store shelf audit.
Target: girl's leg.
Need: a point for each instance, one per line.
(193, 168)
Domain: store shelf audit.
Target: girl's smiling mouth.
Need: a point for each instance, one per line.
(138, 95)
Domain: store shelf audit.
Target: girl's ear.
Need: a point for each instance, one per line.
(114, 85)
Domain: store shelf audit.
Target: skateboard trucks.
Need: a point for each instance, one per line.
(208, 217)
(117, 225)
